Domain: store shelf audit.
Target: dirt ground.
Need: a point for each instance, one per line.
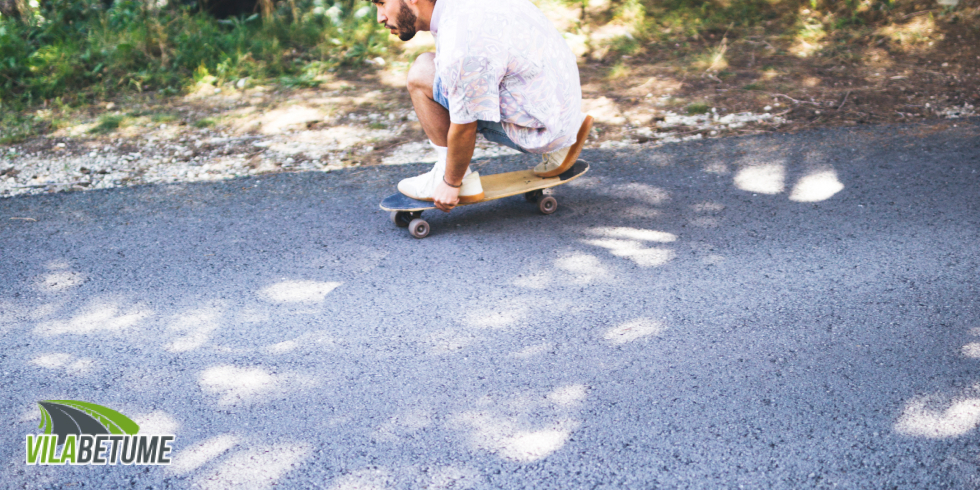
(913, 68)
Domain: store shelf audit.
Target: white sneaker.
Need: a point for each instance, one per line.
(558, 161)
(422, 187)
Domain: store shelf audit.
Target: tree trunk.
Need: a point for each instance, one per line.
(266, 8)
(17, 9)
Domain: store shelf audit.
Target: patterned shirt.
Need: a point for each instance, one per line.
(503, 61)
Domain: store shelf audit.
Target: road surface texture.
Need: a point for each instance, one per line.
(790, 311)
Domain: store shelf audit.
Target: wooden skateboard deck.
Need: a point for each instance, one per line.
(406, 212)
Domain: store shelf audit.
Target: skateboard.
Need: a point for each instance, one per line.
(407, 212)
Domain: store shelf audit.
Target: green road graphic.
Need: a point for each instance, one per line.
(63, 417)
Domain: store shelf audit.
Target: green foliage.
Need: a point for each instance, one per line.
(16, 127)
(163, 118)
(204, 123)
(108, 123)
(698, 108)
(80, 51)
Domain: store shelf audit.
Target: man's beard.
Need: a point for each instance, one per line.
(406, 23)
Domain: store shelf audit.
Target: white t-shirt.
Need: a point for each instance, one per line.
(503, 61)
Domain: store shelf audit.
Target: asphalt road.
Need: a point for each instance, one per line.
(792, 311)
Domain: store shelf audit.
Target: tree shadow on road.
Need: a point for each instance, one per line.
(786, 311)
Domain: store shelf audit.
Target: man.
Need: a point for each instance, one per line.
(500, 69)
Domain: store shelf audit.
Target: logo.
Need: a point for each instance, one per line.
(91, 434)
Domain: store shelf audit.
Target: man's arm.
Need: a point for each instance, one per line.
(462, 141)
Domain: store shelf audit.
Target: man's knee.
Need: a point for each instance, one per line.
(422, 74)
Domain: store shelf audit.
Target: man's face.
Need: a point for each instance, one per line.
(398, 18)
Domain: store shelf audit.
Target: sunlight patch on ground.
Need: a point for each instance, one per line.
(604, 110)
(640, 192)
(634, 250)
(503, 437)
(454, 477)
(98, 317)
(298, 291)
(156, 422)
(642, 212)
(816, 187)
(585, 268)
(538, 280)
(322, 143)
(811, 37)
(66, 362)
(403, 425)
(713, 121)
(283, 347)
(256, 468)
(717, 168)
(57, 281)
(307, 341)
(448, 341)
(635, 234)
(654, 85)
(763, 179)
(603, 37)
(234, 384)
(634, 330)
(972, 350)
(569, 395)
(917, 32)
(708, 207)
(374, 479)
(922, 418)
(193, 457)
(533, 350)
(290, 118)
(502, 315)
(194, 327)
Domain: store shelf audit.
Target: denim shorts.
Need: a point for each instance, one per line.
(492, 131)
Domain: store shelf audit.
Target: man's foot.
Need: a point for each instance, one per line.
(556, 162)
(422, 187)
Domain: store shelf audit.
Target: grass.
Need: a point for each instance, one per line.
(204, 123)
(15, 127)
(80, 52)
(162, 118)
(619, 70)
(108, 123)
(698, 108)
(71, 53)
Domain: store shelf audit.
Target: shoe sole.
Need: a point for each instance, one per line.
(574, 152)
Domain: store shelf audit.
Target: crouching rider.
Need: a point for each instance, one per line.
(500, 69)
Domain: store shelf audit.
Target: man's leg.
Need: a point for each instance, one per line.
(433, 117)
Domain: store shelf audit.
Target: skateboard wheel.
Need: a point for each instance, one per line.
(419, 228)
(401, 218)
(547, 205)
(533, 196)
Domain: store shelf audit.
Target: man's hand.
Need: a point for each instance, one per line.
(462, 139)
(445, 197)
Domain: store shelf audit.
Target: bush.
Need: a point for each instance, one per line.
(80, 51)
